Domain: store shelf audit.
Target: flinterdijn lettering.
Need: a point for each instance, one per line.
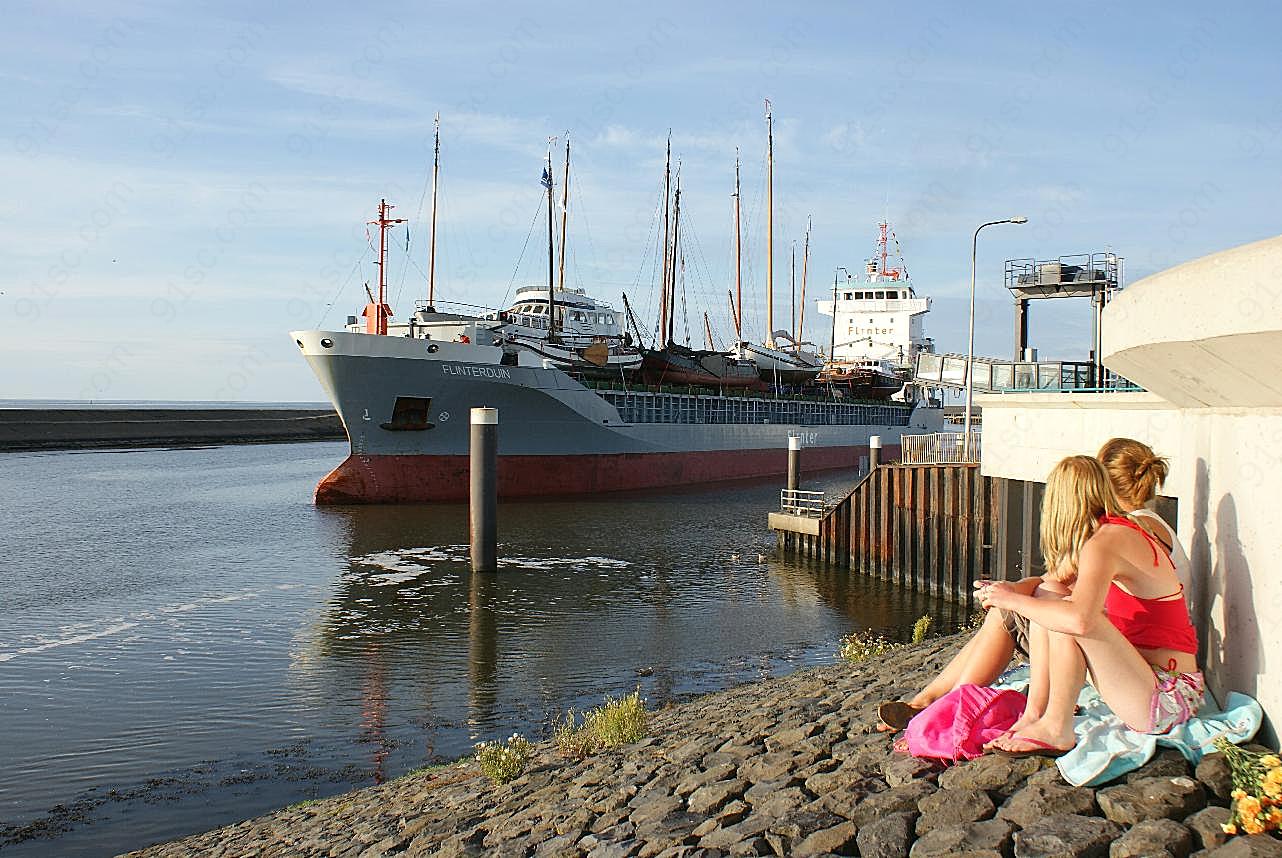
(476, 371)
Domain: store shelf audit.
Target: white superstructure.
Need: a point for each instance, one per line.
(880, 320)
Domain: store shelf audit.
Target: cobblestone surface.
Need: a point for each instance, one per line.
(786, 766)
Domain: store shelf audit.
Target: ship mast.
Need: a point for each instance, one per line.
(663, 296)
(565, 210)
(737, 306)
(431, 254)
(547, 183)
(805, 259)
(381, 310)
(770, 229)
(676, 235)
(707, 330)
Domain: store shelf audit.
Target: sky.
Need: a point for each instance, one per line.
(186, 183)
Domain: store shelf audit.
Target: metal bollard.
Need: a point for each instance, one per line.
(483, 509)
(874, 452)
(794, 462)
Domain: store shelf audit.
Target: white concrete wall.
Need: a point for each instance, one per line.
(1206, 339)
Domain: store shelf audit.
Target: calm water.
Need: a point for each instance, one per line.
(187, 641)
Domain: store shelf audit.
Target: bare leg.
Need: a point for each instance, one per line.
(1124, 679)
(1039, 669)
(979, 662)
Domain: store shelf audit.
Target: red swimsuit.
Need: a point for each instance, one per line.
(1161, 623)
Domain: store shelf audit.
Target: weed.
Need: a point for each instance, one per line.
(921, 628)
(861, 646)
(502, 762)
(617, 722)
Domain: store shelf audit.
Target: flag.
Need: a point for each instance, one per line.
(547, 178)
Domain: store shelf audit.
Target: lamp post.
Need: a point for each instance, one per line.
(970, 334)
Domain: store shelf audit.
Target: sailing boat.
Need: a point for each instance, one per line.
(789, 364)
(674, 363)
(574, 331)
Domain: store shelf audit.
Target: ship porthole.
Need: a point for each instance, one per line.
(433, 348)
(327, 343)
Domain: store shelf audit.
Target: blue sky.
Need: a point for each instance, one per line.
(186, 183)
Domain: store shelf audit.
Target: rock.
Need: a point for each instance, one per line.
(708, 799)
(900, 770)
(781, 804)
(839, 839)
(847, 778)
(767, 767)
(1044, 798)
(953, 807)
(902, 798)
(990, 835)
(1256, 846)
(1166, 763)
(788, 736)
(1163, 837)
(1206, 826)
(1214, 774)
(992, 773)
(888, 837)
(1066, 835)
(1152, 798)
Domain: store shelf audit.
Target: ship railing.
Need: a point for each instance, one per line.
(804, 503)
(940, 448)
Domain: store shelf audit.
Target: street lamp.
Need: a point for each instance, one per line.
(970, 335)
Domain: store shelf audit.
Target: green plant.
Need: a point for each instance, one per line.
(976, 620)
(921, 628)
(863, 645)
(504, 761)
(617, 722)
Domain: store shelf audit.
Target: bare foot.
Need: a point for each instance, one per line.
(1042, 736)
(1024, 720)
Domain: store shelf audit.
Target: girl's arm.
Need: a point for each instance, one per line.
(1074, 615)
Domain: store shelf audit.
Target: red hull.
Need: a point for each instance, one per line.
(419, 479)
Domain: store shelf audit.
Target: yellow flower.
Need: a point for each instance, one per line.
(1270, 761)
(1238, 794)
(1248, 806)
(1229, 828)
(1251, 825)
(1273, 790)
(1274, 775)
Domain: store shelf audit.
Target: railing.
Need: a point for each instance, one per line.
(940, 448)
(993, 376)
(806, 504)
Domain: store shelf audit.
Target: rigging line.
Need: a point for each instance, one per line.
(355, 267)
(517, 268)
(405, 268)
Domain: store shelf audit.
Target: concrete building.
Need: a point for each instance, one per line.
(1205, 340)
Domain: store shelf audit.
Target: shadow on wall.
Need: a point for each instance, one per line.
(1233, 656)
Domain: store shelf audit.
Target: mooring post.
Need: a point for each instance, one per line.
(483, 510)
(794, 462)
(874, 452)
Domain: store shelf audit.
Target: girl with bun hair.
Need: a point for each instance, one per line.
(1126, 621)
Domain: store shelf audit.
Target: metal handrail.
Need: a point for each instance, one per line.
(940, 448)
(807, 504)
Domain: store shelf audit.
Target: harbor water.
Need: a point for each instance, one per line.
(186, 640)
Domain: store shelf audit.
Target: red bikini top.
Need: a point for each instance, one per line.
(1160, 623)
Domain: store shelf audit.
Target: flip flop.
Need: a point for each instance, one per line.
(896, 713)
(1039, 749)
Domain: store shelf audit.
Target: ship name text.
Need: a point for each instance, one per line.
(476, 371)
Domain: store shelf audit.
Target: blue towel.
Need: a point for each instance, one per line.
(1107, 749)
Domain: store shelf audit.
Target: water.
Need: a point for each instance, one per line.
(186, 641)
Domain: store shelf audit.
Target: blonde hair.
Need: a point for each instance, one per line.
(1135, 470)
(1078, 493)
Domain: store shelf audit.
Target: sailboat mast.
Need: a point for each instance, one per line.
(565, 210)
(707, 330)
(738, 258)
(805, 259)
(431, 253)
(663, 294)
(547, 183)
(676, 236)
(770, 229)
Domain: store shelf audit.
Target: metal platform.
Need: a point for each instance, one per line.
(1081, 275)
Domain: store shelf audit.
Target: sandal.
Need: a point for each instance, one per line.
(1039, 749)
(896, 713)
